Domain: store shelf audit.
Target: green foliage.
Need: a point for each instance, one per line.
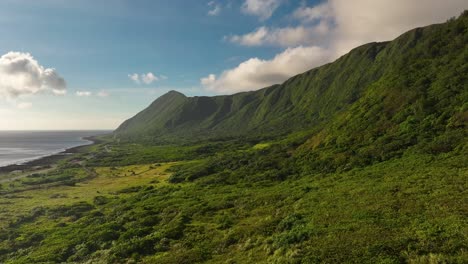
(376, 87)
(373, 171)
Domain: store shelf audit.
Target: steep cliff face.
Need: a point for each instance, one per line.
(426, 64)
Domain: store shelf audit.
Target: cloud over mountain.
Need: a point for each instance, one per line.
(322, 33)
(258, 73)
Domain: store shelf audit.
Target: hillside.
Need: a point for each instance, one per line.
(363, 160)
(424, 65)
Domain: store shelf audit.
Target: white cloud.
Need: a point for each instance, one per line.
(134, 77)
(284, 37)
(83, 93)
(208, 80)
(146, 78)
(256, 73)
(216, 8)
(326, 31)
(149, 78)
(310, 14)
(363, 21)
(353, 23)
(254, 38)
(261, 8)
(89, 93)
(24, 105)
(21, 74)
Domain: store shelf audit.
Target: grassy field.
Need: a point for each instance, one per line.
(103, 181)
(408, 209)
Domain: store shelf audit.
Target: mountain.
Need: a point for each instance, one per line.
(425, 67)
(300, 102)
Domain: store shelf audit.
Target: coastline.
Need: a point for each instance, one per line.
(49, 160)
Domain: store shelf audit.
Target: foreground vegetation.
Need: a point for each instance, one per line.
(239, 210)
(383, 179)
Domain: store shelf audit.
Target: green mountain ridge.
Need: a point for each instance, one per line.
(314, 97)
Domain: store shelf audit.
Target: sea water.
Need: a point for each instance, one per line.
(17, 147)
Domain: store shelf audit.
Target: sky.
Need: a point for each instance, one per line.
(91, 64)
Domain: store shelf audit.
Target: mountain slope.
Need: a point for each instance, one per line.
(403, 71)
(419, 103)
(297, 103)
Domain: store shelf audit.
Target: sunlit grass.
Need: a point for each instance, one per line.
(109, 181)
(261, 146)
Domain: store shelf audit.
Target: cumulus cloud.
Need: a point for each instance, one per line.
(283, 37)
(149, 78)
(311, 14)
(264, 9)
(208, 80)
(215, 8)
(83, 93)
(134, 77)
(353, 23)
(256, 73)
(326, 31)
(254, 38)
(146, 78)
(363, 21)
(21, 74)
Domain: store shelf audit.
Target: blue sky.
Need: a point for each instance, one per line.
(96, 44)
(195, 47)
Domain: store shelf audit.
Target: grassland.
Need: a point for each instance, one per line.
(104, 181)
(407, 209)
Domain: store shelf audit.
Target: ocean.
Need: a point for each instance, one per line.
(17, 147)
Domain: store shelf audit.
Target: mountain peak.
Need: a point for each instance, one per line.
(173, 93)
(368, 74)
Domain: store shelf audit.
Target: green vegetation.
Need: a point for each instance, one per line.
(243, 206)
(360, 161)
(421, 74)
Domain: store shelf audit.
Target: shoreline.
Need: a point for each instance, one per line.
(49, 160)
